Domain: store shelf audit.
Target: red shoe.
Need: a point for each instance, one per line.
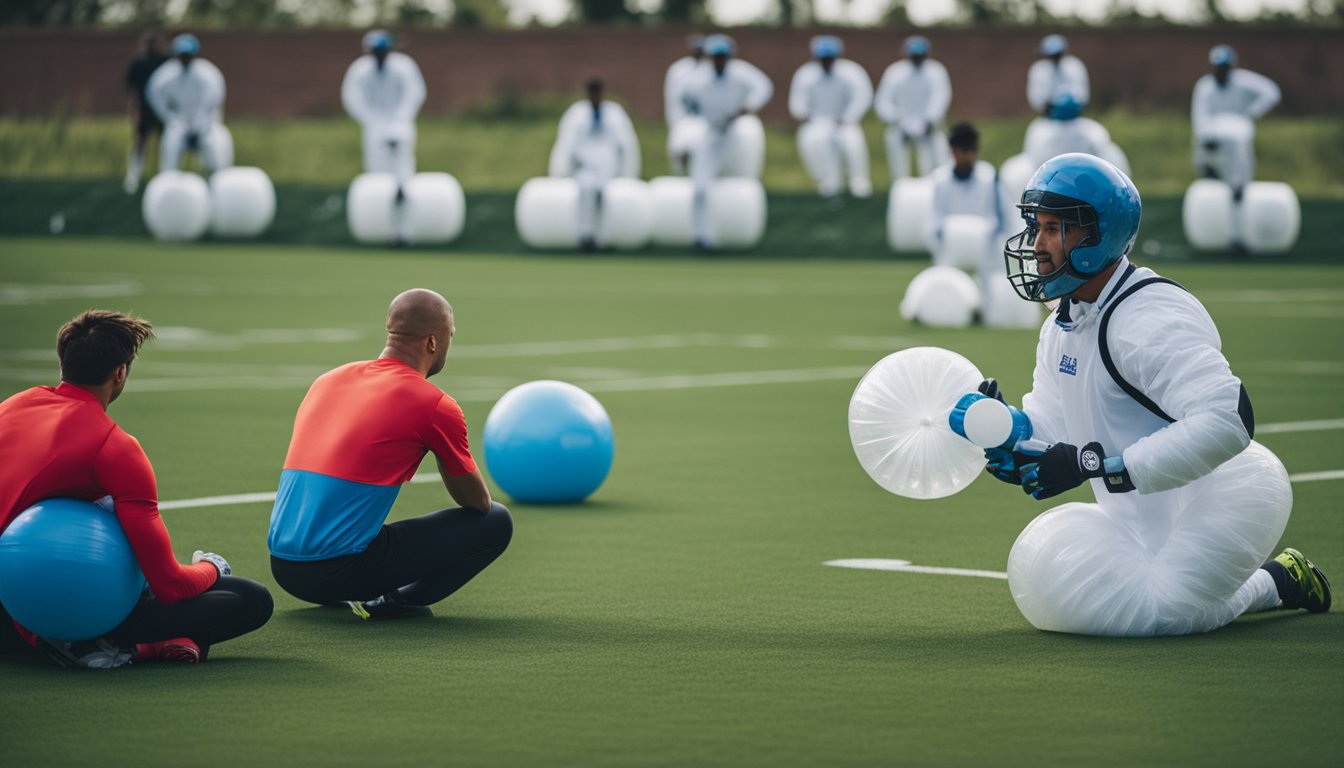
(179, 649)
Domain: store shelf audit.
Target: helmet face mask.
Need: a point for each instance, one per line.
(1020, 250)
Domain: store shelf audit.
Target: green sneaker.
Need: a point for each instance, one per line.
(383, 608)
(1301, 584)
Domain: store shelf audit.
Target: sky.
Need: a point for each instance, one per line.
(859, 12)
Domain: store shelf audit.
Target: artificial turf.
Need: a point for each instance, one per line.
(683, 615)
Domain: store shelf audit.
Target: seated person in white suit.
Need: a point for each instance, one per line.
(187, 93)
(383, 91)
(596, 143)
(679, 133)
(831, 95)
(912, 99)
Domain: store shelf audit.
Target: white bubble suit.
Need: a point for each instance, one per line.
(547, 213)
(368, 207)
(436, 208)
(1271, 217)
(242, 202)
(176, 206)
(672, 200)
(941, 297)
(626, 219)
(1014, 175)
(908, 212)
(1123, 571)
(1206, 215)
(737, 212)
(898, 423)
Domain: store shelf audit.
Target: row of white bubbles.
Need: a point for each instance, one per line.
(236, 203)
(1269, 219)
(433, 209)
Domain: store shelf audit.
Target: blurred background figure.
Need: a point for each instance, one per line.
(1057, 84)
(383, 91)
(187, 93)
(831, 95)
(1223, 111)
(968, 186)
(596, 142)
(680, 131)
(143, 119)
(720, 94)
(912, 99)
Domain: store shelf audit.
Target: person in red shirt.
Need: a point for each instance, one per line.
(60, 442)
(360, 433)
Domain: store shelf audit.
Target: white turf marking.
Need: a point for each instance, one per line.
(1319, 425)
(905, 566)
(1311, 477)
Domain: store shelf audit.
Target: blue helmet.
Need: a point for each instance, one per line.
(1222, 56)
(827, 47)
(1053, 45)
(917, 45)
(1083, 190)
(186, 45)
(718, 45)
(1066, 108)
(378, 41)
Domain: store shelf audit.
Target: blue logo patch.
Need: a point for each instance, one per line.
(1068, 365)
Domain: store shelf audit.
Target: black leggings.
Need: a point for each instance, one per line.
(423, 560)
(230, 608)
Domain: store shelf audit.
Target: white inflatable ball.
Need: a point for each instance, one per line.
(242, 202)
(1206, 215)
(368, 207)
(908, 211)
(672, 200)
(1113, 154)
(1231, 127)
(941, 297)
(547, 213)
(898, 423)
(686, 134)
(1047, 138)
(745, 151)
(737, 213)
(1014, 175)
(221, 146)
(966, 241)
(176, 206)
(626, 219)
(1270, 217)
(1078, 569)
(436, 209)
(1003, 308)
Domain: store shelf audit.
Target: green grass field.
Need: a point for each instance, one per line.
(682, 616)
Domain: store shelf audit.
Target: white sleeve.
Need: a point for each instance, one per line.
(213, 105)
(1200, 107)
(414, 95)
(352, 94)
(799, 107)
(629, 142)
(1042, 404)
(1265, 92)
(760, 89)
(1164, 343)
(860, 91)
(562, 154)
(673, 109)
(884, 103)
(156, 96)
(1038, 85)
(1082, 86)
(940, 93)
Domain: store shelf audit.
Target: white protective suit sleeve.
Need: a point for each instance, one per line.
(860, 90)
(352, 91)
(884, 102)
(1170, 350)
(760, 89)
(1040, 84)
(414, 96)
(574, 121)
(625, 135)
(1042, 404)
(1266, 91)
(940, 92)
(674, 108)
(800, 108)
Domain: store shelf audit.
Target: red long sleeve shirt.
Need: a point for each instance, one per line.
(58, 441)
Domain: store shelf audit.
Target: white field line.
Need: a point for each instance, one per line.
(905, 566)
(1319, 425)
(1311, 477)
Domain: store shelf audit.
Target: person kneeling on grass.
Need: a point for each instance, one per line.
(60, 442)
(360, 433)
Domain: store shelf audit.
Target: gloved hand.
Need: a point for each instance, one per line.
(218, 561)
(990, 388)
(1062, 467)
(193, 141)
(1211, 145)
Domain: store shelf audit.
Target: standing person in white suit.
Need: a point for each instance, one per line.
(1057, 83)
(383, 91)
(596, 143)
(1223, 111)
(1132, 393)
(831, 95)
(912, 99)
(680, 132)
(187, 93)
(720, 93)
(968, 186)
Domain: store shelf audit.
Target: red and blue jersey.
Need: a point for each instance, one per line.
(361, 431)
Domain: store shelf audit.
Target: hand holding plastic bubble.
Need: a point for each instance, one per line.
(1062, 467)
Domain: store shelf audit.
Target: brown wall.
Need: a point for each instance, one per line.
(297, 73)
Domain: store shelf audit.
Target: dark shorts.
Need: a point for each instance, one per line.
(148, 123)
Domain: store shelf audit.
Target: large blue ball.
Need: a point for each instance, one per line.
(67, 571)
(548, 442)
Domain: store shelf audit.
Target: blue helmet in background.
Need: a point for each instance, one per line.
(1053, 45)
(1222, 56)
(1066, 108)
(378, 41)
(917, 45)
(827, 47)
(1084, 191)
(186, 45)
(718, 45)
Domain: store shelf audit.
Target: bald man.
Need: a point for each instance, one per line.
(361, 432)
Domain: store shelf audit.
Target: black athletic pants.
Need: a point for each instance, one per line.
(230, 608)
(423, 560)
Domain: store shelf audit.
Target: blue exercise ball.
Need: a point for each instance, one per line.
(67, 571)
(548, 442)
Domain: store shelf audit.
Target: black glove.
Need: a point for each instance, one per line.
(1211, 145)
(990, 388)
(1063, 467)
(193, 141)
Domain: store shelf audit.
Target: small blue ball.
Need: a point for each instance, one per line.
(548, 442)
(67, 571)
